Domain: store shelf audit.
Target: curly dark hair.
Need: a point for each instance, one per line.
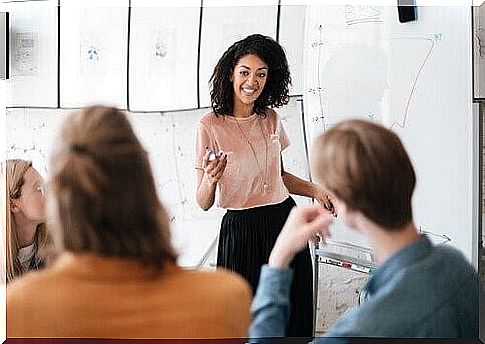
(276, 90)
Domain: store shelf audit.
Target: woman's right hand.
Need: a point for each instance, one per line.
(214, 169)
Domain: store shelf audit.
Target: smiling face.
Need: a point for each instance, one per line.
(248, 79)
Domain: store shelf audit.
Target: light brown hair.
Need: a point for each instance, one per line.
(13, 172)
(102, 194)
(366, 166)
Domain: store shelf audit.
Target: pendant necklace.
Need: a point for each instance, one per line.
(263, 175)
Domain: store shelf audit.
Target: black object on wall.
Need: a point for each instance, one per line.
(4, 45)
(407, 10)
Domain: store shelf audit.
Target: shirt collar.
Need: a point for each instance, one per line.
(400, 260)
(26, 254)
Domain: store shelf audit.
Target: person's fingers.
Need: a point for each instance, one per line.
(218, 175)
(219, 166)
(211, 165)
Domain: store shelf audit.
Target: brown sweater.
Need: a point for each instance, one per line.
(86, 295)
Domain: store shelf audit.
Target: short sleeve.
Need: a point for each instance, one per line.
(202, 141)
(284, 139)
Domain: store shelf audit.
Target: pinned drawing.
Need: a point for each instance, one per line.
(163, 58)
(92, 59)
(161, 49)
(25, 52)
(164, 45)
(479, 50)
(93, 54)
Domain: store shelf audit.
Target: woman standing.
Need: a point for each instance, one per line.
(25, 229)
(238, 153)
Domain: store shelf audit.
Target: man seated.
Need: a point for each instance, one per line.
(418, 290)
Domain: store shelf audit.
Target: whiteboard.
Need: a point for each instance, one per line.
(223, 26)
(163, 56)
(33, 54)
(362, 63)
(93, 53)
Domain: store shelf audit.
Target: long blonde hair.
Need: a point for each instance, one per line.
(13, 172)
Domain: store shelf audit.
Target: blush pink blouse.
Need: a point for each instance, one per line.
(253, 145)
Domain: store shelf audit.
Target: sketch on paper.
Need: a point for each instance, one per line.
(25, 52)
(93, 56)
(362, 14)
(160, 49)
(33, 54)
(163, 58)
(163, 48)
(92, 53)
(92, 59)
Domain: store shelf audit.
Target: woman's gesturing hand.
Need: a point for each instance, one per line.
(214, 168)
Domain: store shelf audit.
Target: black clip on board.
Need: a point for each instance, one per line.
(406, 10)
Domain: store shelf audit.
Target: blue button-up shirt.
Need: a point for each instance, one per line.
(421, 291)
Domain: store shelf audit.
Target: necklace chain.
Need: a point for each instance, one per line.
(263, 176)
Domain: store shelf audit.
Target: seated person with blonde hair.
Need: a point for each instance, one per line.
(27, 239)
(418, 290)
(116, 275)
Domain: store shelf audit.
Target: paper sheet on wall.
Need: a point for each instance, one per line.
(33, 54)
(223, 26)
(93, 55)
(163, 56)
(479, 51)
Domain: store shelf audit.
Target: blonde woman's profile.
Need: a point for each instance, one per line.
(26, 235)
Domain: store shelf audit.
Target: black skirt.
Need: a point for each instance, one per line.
(245, 243)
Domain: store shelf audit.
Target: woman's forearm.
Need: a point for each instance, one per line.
(298, 186)
(206, 192)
